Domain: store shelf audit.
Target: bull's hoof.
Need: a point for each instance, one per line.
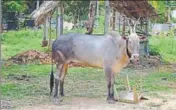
(55, 96)
(62, 94)
(111, 100)
(57, 99)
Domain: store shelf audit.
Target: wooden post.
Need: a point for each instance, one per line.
(57, 20)
(107, 10)
(0, 45)
(61, 18)
(123, 31)
(97, 13)
(141, 22)
(114, 20)
(119, 25)
(1, 29)
(45, 35)
(49, 41)
(146, 43)
(38, 4)
(169, 14)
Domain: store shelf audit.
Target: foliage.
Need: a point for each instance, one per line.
(164, 45)
(160, 7)
(17, 6)
(75, 10)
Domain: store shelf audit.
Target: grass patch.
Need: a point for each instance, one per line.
(79, 81)
(32, 70)
(165, 46)
(14, 42)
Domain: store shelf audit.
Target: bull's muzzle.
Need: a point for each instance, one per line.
(134, 58)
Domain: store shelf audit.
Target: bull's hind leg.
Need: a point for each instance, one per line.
(62, 77)
(110, 84)
(58, 72)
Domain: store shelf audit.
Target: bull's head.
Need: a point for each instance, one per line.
(133, 41)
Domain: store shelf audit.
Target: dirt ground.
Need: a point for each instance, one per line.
(167, 102)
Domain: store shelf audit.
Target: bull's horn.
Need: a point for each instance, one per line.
(131, 31)
(134, 28)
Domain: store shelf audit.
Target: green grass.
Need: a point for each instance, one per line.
(14, 42)
(165, 46)
(79, 81)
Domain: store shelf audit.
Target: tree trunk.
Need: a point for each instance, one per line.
(91, 17)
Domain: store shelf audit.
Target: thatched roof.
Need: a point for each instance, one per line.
(46, 9)
(134, 9)
(130, 8)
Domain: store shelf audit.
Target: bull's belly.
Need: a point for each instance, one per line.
(97, 64)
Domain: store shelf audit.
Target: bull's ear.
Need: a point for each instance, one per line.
(124, 37)
(142, 37)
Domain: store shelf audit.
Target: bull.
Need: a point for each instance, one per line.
(110, 52)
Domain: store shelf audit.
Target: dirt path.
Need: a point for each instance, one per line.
(163, 102)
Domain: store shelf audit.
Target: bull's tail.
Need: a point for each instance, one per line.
(51, 76)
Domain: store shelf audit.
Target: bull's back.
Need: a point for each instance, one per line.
(88, 50)
(80, 48)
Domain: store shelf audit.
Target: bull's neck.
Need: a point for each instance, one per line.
(124, 44)
(127, 50)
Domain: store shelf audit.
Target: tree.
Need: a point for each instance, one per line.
(74, 10)
(17, 6)
(91, 15)
(160, 7)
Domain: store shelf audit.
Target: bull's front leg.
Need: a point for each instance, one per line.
(110, 84)
(61, 78)
(59, 71)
